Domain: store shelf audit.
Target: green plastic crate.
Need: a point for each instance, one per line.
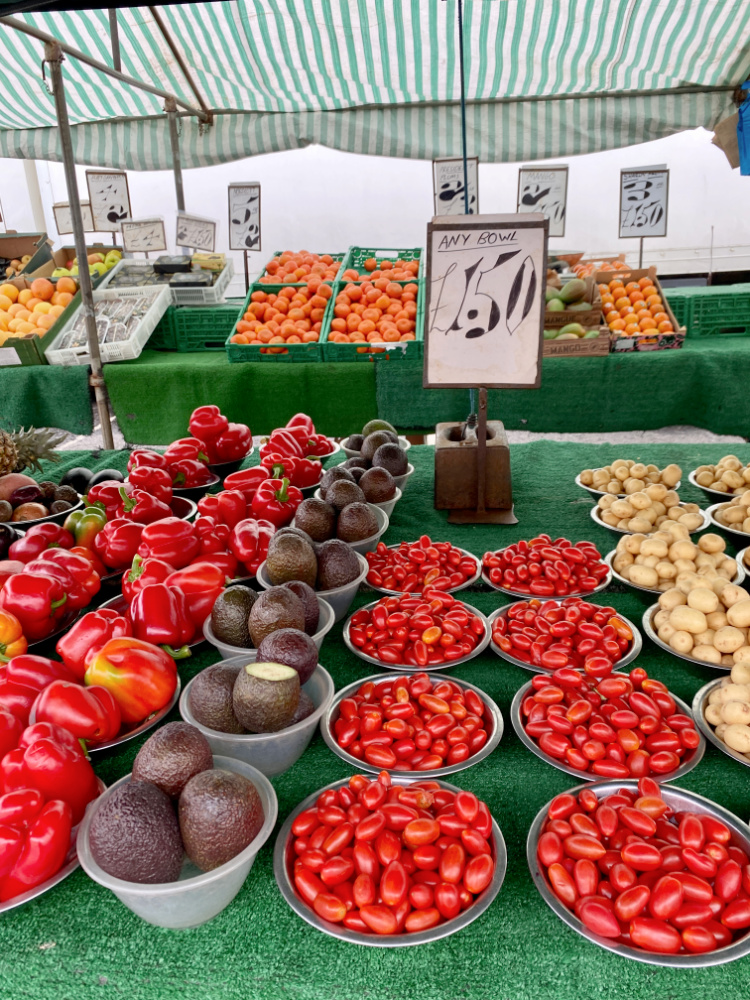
(163, 337)
(376, 353)
(203, 328)
(680, 304)
(297, 284)
(357, 256)
(721, 311)
(238, 353)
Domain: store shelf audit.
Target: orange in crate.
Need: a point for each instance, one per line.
(295, 267)
(290, 316)
(634, 308)
(396, 270)
(378, 311)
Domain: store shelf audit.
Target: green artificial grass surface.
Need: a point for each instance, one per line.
(45, 396)
(78, 942)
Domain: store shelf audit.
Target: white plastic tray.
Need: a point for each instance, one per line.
(125, 350)
(183, 296)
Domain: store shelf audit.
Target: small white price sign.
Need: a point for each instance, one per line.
(110, 199)
(644, 199)
(545, 190)
(244, 217)
(195, 232)
(448, 185)
(144, 235)
(64, 218)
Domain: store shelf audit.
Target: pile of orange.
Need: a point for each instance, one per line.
(586, 267)
(634, 307)
(35, 309)
(298, 266)
(397, 270)
(374, 312)
(293, 316)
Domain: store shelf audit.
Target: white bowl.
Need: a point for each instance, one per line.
(196, 896)
(340, 598)
(403, 444)
(271, 753)
(594, 513)
(325, 624)
(366, 544)
(386, 506)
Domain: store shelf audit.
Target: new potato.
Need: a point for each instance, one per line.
(652, 507)
(728, 709)
(736, 513)
(729, 475)
(711, 625)
(624, 476)
(667, 559)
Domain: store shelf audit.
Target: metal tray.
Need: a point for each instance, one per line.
(517, 593)
(196, 492)
(282, 857)
(609, 559)
(627, 659)
(743, 536)
(453, 590)
(404, 668)
(650, 631)
(594, 515)
(328, 720)
(141, 728)
(691, 759)
(699, 706)
(681, 801)
(64, 624)
(620, 496)
(60, 518)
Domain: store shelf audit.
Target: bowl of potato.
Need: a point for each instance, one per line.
(721, 710)
(656, 561)
(732, 517)
(729, 477)
(625, 476)
(702, 621)
(642, 512)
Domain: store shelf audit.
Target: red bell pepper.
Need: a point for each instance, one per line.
(234, 443)
(96, 564)
(77, 595)
(276, 501)
(142, 573)
(36, 601)
(90, 713)
(300, 472)
(55, 768)
(142, 507)
(37, 539)
(11, 728)
(249, 542)
(319, 444)
(228, 507)
(141, 676)
(118, 541)
(247, 481)
(107, 495)
(142, 456)
(12, 640)
(213, 537)
(19, 808)
(189, 472)
(87, 636)
(157, 482)
(9, 567)
(301, 420)
(192, 448)
(172, 540)
(43, 853)
(17, 698)
(79, 567)
(49, 731)
(36, 671)
(225, 561)
(284, 441)
(201, 583)
(160, 616)
(207, 423)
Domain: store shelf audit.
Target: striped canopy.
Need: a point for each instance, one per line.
(543, 78)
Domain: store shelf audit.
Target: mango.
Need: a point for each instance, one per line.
(550, 292)
(566, 336)
(579, 306)
(555, 305)
(550, 334)
(591, 334)
(573, 290)
(574, 328)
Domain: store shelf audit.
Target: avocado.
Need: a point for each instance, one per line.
(292, 648)
(134, 835)
(352, 464)
(342, 493)
(373, 441)
(392, 458)
(555, 305)
(356, 522)
(378, 485)
(310, 601)
(291, 557)
(572, 291)
(172, 756)
(220, 815)
(377, 425)
(316, 518)
(275, 608)
(331, 476)
(306, 707)
(210, 698)
(354, 442)
(230, 613)
(266, 696)
(337, 565)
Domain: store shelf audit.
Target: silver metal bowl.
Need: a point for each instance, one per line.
(628, 658)
(60, 518)
(283, 859)
(63, 624)
(691, 759)
(331, 716)
(713, 495)
(648, 628)
(453, 590)
(610, 557)
(405, 668)
(141, 728)
(594, 514)
(517, 593)
(681, 801)
(184, 508)
(196, 492)
(699, 707)
(121, 605)
(742, 536)
(606, 493)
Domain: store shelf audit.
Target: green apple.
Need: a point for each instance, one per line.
(60, 272)
(99, 267)
(74, 270)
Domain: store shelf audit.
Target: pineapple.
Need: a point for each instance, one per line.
(26, 449)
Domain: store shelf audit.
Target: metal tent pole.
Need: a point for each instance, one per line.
(463, 105)
(114, 35)
(174, 137)
(54, 56)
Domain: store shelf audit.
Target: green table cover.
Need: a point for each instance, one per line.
(45, 396)
(79, 942)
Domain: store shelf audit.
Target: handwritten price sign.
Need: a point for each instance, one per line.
(195, 232)
(644, 198)
(109, 198)
(448, 186)
(144, 235)
(546, 191)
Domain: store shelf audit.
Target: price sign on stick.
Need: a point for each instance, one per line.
(244, 217)
(64, 219)
(144, 235)
(110, 199)
(484, 311)
(448, 186)
(192, 231)
(644, 197)
(544, 190)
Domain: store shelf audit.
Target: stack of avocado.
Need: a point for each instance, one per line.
(570, 298)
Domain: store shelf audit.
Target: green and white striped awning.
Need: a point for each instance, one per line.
(545, 78)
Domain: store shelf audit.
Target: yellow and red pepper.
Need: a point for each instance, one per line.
(87, 637)
(141, 676)
(12, 640)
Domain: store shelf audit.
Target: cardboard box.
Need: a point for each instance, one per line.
(593, 347)
(13, 246)
(29, 349)
(652, 340)
(589, 318)
(60, 258)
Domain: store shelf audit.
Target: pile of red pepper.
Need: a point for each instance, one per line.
(291, 452)
(224, 441)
